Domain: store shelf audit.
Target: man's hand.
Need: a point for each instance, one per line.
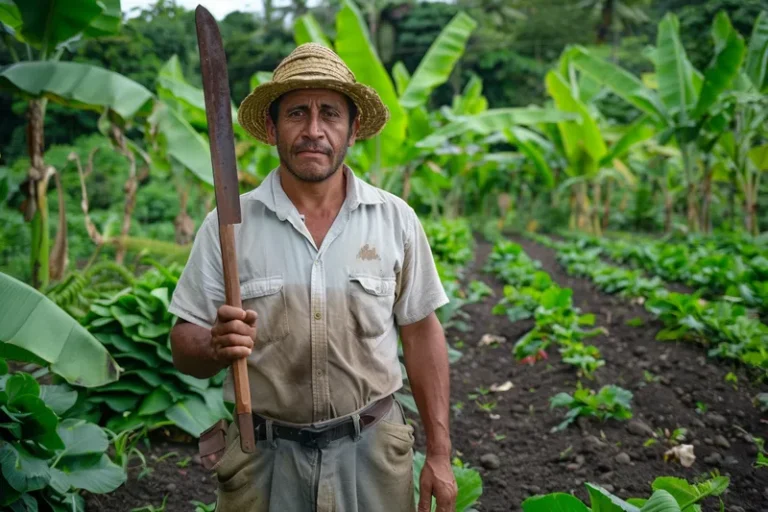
(233, 334)
(437, 480)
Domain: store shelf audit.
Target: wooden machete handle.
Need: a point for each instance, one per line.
(232, 295)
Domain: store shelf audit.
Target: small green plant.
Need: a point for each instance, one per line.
(152, 508)
(701, 407)
(202, 507)
(184, 462)
(650, 377)
(487, 406)
(499, 437)
(635, 322)
(586, 357)
(733, 379)
(610, 402)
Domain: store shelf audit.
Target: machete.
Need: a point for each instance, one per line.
(213, 66)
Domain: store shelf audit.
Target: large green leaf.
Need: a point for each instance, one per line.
(23, 471)
(661, 501)
(494, 120)
(192, 415)
(308, 30)
(103, 477)
(436, 66)
(619, 81)
(183, 143)
(759, 157)
(756, 64)
(402, 77)
(557, 502)
(106, 23)
(354, 46)
(687, 494)
(603, 501)
(157, 401)
(50, 22)
(724, 67)
(60, 398)
(577, 137)
(673, 71)
(31, 321)
(635, 133)
(534, 154)
(10, 15)
(78, 85)
(81, 438)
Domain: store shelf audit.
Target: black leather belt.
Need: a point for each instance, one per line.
(320, 438)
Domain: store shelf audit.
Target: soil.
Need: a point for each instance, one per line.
(533, 460)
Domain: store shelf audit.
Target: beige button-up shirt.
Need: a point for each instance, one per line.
(327, 316)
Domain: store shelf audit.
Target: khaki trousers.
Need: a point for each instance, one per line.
(374, 473)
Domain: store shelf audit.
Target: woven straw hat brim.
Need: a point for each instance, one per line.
(253, 111)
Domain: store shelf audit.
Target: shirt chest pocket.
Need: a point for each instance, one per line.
(265, 295)
(371, 299)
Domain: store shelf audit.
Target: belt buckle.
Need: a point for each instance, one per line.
(313, 438)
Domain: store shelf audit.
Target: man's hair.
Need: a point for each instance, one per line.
(274, 109)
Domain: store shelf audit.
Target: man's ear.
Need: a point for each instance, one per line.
(353, 131)
(271, 131)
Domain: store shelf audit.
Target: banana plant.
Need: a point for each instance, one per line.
(686, 104)
(747, 107)
(48, 29)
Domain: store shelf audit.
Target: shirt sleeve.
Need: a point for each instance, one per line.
(420, 290)
(200, 290)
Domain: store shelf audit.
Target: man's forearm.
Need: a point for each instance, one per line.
(426, 362)
(192, 352)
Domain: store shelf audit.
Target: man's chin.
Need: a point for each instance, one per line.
(311, 173)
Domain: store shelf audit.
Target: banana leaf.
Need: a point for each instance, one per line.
(495, 120)
(354, 46)
(46, 23)
(620, 82)
(673, 70)
(756, 64)
(78, 85)
(308, 30)
(436, 66)
(725, 65)
(32, 322)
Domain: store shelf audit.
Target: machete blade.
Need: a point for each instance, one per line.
(213, 67)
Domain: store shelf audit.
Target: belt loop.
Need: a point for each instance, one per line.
(270, 436)
(356, 422)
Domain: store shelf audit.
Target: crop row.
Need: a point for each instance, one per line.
(712, 266)
(723, 326)
(531, 292)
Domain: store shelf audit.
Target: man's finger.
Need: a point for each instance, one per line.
(233, 340)
(250, 317)
(232, 327)
(425, 498)
(227, 313)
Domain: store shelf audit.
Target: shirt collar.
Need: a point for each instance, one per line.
(270, 192)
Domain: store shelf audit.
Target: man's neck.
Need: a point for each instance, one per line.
(321, 197)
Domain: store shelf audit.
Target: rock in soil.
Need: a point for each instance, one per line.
(639, 428)
(714, 459)
(623, 458)
(490, 461)
(722, 442)
(716, 420)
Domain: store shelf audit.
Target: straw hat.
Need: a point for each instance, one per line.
(312, 65)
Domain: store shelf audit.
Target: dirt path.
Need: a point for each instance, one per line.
(532, 460)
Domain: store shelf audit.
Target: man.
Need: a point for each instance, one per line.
(331, 268)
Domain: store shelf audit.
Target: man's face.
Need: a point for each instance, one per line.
(312, 132)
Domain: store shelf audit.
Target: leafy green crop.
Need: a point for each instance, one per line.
(610, 402)
(468, 481)
(45, 456)
(134, 324)
(670, 494)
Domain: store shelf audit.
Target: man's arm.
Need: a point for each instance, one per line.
(426, 362)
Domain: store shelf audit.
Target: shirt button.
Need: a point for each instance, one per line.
(317, 262)
(317, 315)
(319, 373)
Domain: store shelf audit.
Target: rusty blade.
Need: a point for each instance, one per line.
(213, 66)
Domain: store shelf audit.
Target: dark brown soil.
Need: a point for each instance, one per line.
(533, 460)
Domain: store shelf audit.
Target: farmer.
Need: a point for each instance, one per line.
(332, 270)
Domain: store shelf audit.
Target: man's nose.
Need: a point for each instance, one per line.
(314, 128)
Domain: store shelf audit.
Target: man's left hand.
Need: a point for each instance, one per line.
(437, 480)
